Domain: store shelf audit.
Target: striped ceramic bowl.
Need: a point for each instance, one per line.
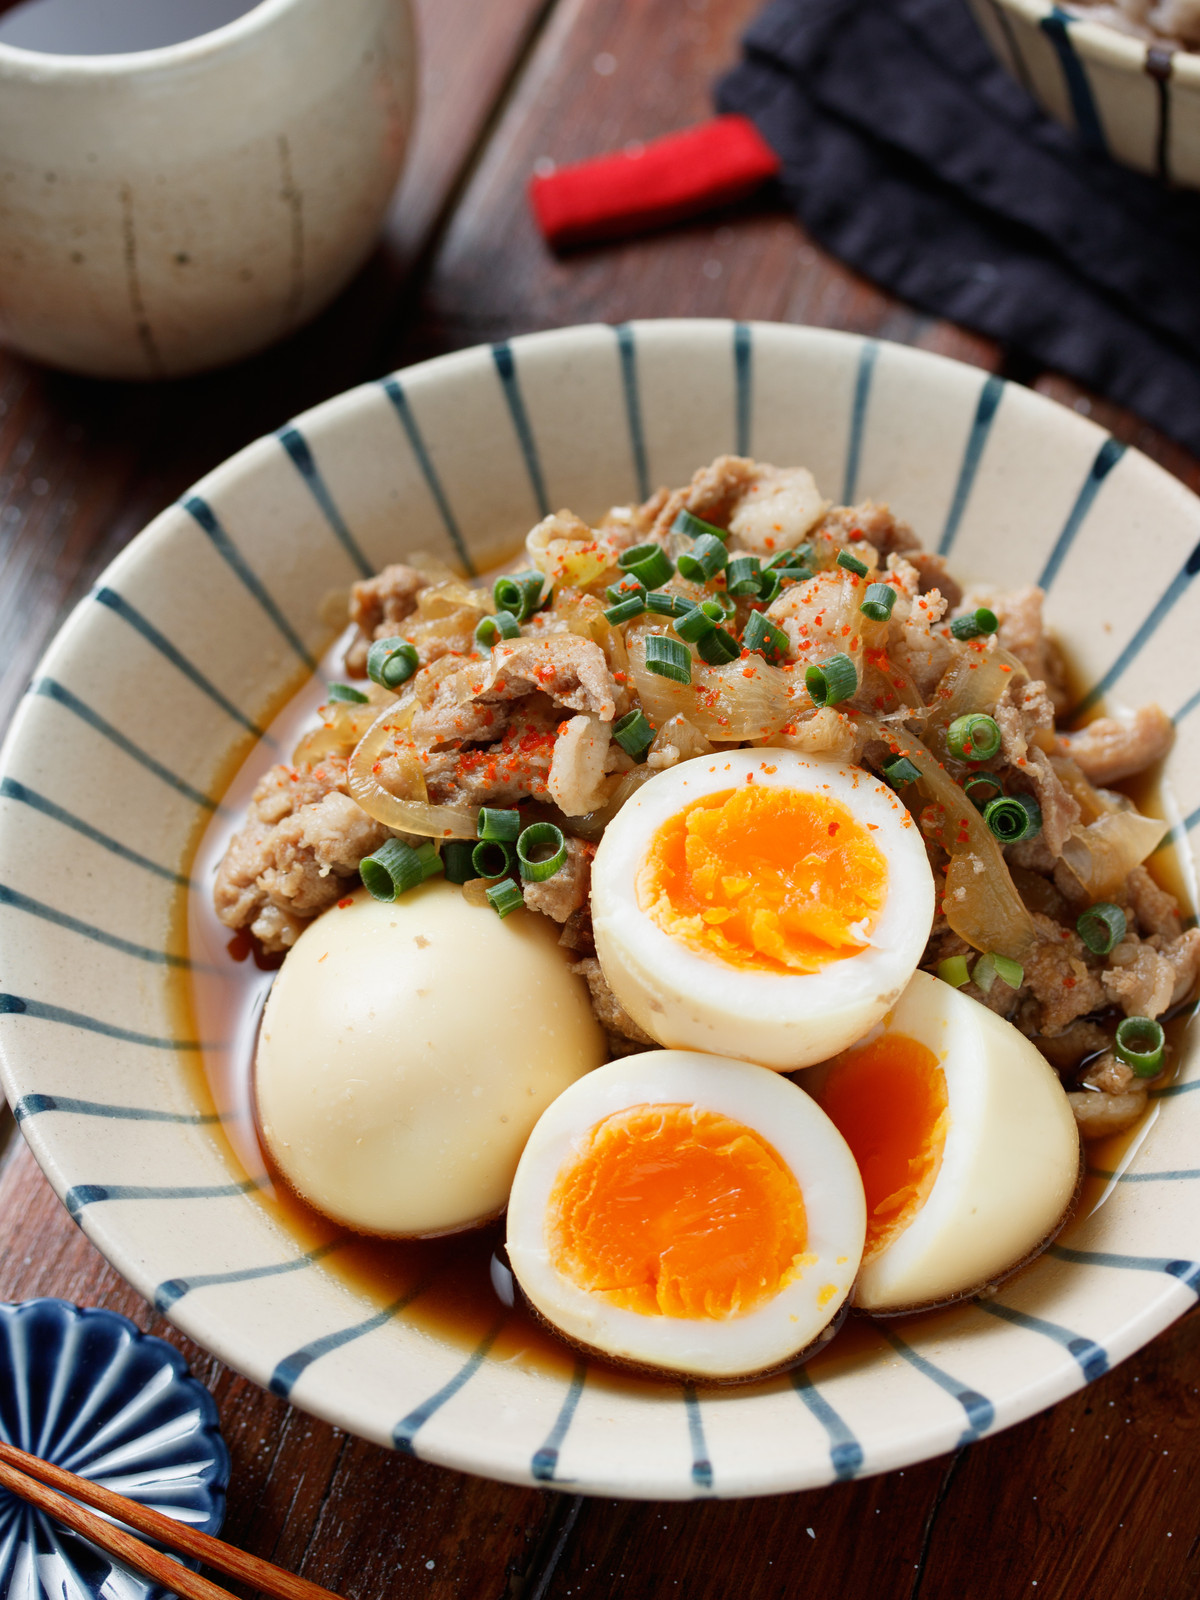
(115, 764)
(1135, 101)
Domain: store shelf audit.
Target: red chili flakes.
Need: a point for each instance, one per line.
(770, 771)
(348, 901)
(833, 828)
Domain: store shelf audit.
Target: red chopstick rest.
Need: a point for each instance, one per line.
(650, 185)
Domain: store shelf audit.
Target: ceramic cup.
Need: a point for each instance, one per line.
(175, 209)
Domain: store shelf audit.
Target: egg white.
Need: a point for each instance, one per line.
(1010, 1165)
(792, 1124)
(686, 1000)
(406, 1051)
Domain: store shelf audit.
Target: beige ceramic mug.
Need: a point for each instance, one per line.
(174, 209)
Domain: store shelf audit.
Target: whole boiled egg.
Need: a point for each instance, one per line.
(687, 1213)
(966, 1143)
(761, 904)
(407, 1048)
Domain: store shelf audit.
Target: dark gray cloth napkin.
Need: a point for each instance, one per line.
(910, 154)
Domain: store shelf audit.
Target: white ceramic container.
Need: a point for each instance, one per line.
(1136, 101)
(175, 209)
(117, 761)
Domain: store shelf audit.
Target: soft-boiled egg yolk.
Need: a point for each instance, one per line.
(888, 1101)
(687, 1213)
(966, 1144)
(671, 1209)
(761, 904)
(771, 879)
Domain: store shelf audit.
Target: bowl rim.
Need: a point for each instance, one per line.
(213, 1331)
(1101, 42)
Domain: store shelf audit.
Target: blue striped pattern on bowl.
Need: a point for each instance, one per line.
(114, 763)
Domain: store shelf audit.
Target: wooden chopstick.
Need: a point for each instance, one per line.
(38, 1482)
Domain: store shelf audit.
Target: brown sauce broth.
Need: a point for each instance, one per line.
(453, 1281)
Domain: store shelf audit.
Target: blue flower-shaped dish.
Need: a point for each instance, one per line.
(86, 1390)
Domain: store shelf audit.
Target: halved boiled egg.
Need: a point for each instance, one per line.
(966, 1143)
(688, 1213)
(761, 904)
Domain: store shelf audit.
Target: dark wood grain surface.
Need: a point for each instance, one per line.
(1093, 1500)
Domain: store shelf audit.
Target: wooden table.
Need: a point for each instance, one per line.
(1090, 1500)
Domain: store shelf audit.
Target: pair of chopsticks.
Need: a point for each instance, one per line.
(45, 1486)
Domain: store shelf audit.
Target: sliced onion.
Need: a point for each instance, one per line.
(741, 700)
(981, 901)
(1104, 853)
(342, 726)
(414, 815)
(592, 825)
(974, 681)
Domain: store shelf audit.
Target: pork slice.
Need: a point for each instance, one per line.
(1059, 978)
(610, 1013)
(1148, 976)
(572, 671)
(577, 767)
(1156, 910)
(1112, 748)
(563, 894)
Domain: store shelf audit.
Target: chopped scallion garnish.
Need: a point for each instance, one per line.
(391, 662)
(975, 737)
(695, 624)
(345, 694)
(834, 680)
(519, 593)
(395, 868)
(668, 658)
(743, 576)
(852, 564)
(1101, 927)
(492, 858)
(625, 590)
(648, 563)
(974, 624)
(634, 734)
(954, 971)
(626, 610)
(541, 851)
(1013, 817)
(800, 556)
(704, 560)
(984, 786)
(991, 966)
(502, 626)
(1141, 1043)
(504, 897)
(718, 648)
(669, 605)
(693, 527)
(878, 601)
(763, 636)
(501, 825)
(456, 860)
(900, 770)
(770, 587)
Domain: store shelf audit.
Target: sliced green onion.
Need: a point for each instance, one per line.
(878, 601)
(634, 734)
(502, 626)
(1101, 927)
(1140, 1044)
(991, 966)
(900, 770)
(718, 648)
(974, 624)
(504, 897)
(692, 627)
(694, 527)
(668, 658)
(625, 590)
(502, 826)
(391, 662)
(770, 587)
(1013, 817)
(395, 868)
(669, 605)
(761, 635)
(743, 575)
(492, 858)
(975, 737)
(799, 556)
(834, 680)
(635, 606)
(984, 786)
(852, 564)
(649, 564)
(704, 560)
(794, 574)
(520, 593)
(954, 971)
(541, 850)
(345, 694)
(456, 860)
